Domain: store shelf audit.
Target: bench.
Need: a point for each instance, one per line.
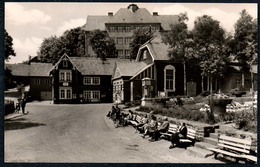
(173, 128)
(137, 119)
(239, 149)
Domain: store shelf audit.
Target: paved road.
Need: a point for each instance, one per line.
(82, 133)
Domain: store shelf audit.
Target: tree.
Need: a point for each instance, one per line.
(209, 39)
(245, 42)
(9, 51)
(74, 42)
(181, 44)
(140, 36)
(102, 44)
(51, 50)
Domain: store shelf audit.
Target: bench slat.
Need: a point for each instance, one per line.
(234, 148)
(250, 157)
(246, 147)
(236, 140)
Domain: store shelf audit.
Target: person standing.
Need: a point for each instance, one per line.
(23, 104)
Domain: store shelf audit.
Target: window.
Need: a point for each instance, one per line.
(127, 40)
(91, 81)
(112, 29)
(48, 82)
(127, 29)
(127, 53)
(120, 29)
(120, 53)
(65, 63)
(37, 81)
(65, 93)
(119, 40)
(65, 75)
(169, 78)
(91, 94)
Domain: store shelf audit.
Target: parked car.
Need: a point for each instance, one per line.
(9, 107)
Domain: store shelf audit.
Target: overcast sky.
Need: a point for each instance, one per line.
(30, 23)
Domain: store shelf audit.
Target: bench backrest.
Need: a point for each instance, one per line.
(138, 118)
(191, 133)
(234, 144)
(173, 128)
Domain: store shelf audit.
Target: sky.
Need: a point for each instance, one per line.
(30, 23)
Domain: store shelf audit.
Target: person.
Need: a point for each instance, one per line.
(162, 128)
(111, 113)
(128, 118)
(181, 134)
(150, 127)
(117, 116)
(140, 127)
(23, 104)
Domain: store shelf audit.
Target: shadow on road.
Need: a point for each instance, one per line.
(14, 125)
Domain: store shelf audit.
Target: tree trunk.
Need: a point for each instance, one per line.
(243, 80)
(202, 85)
(185, 80)
(211, 114)
(208, 83)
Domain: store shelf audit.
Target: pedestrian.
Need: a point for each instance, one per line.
(23, 104)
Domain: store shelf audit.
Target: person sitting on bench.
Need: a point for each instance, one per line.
(144, 121)
(150, 127)
(180, 134)
(162, 128)
(128, 118)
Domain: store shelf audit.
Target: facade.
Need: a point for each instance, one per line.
(120, 26)
(40, 81)
(157, 73)
(82, 80)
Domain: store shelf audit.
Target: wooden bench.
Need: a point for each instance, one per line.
(173, 128)
(137, 119)
(239, 149)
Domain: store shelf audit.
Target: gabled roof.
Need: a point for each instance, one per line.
(18, 69)
(40, 69)
(124, 15)
(94, 66)
(157, 49)
(96, 22)
(128, 68)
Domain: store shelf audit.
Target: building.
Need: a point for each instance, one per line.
(40, 81)
(154, 74)
(120, 26)
(82, 79)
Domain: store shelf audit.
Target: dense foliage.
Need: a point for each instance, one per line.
(8, 42)
(102, 44)
(140, 36)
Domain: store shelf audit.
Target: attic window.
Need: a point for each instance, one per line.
(145, 55)
(65, 63)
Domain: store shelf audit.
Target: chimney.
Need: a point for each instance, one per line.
(155, 14)
(110, 13)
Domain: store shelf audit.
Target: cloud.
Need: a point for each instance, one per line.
(66, 25)
(17, 15)
(24, 48)
(226, 19)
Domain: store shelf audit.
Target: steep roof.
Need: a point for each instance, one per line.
(96, 22)
(93, 66)
(124, 15)
(18, 69)
(40, 69)
(128, 68)
(158, 49)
